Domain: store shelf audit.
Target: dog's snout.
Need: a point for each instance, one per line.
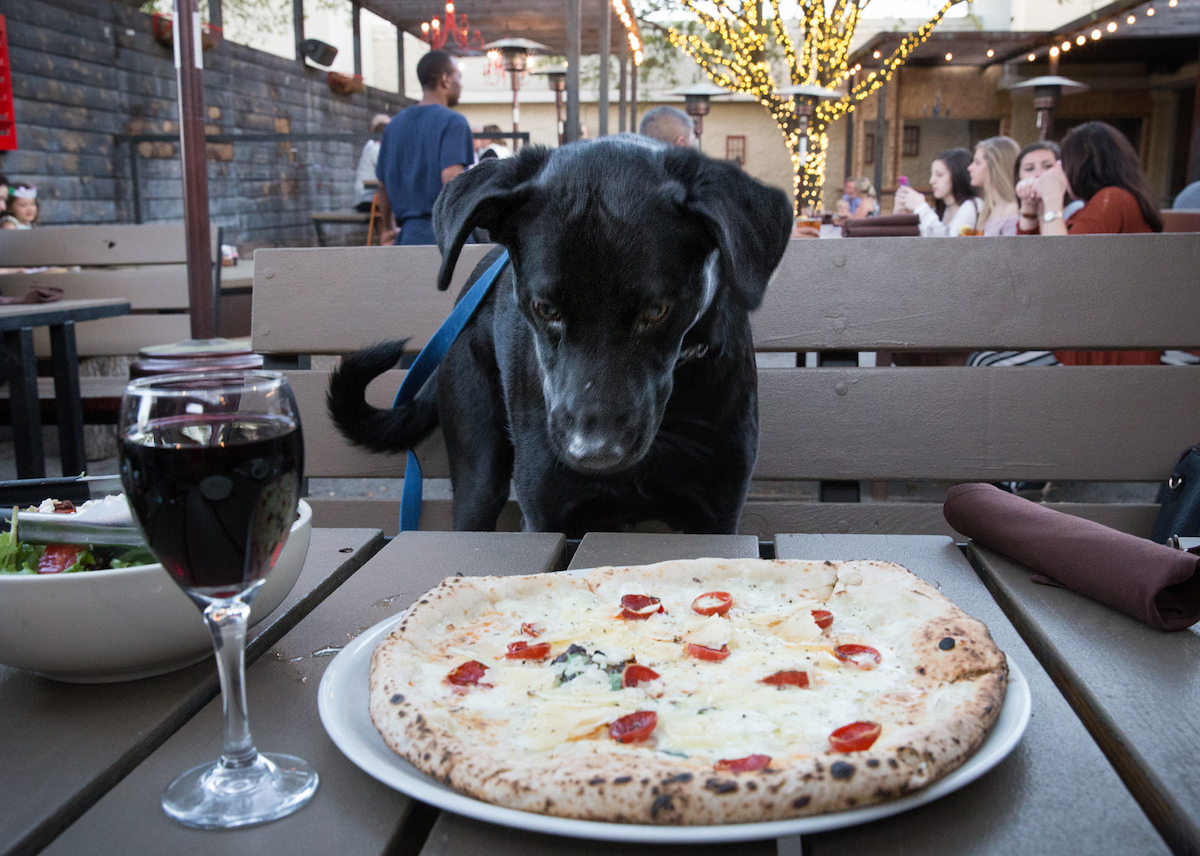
(594, 441)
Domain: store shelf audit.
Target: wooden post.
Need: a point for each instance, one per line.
(623, 61)
(356, 27)
(605, 55)
(574, 52)
(880, 121)
(848, 166)
(633, 95)
(189, 64)
(298, 26)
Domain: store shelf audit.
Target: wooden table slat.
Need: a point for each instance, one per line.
(1056, 793)
(1135, 688)
(64, 745)
(351, 812)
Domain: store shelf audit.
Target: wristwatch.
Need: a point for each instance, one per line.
(1051, 216)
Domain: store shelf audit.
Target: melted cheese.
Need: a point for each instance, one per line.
(706, 709)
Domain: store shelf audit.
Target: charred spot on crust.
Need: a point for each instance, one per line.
(947, 643)
(801, 802)
(662, 803)
(893, 763)
(717, 786)
(828, 563)
(841, 770)
(425, 756)
(423, 601)
(678, 777)
(872, 762)
(920, 670)
(622, 780)
(599, 780)
(752, 786)
(397, 698)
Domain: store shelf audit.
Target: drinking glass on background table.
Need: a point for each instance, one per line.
(212, 463)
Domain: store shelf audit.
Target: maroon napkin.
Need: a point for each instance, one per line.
(1154, 583)
(36, 294)
(895, 225)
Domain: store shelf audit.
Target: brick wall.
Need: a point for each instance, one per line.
(86, 70)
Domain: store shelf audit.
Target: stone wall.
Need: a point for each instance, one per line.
(86, 70)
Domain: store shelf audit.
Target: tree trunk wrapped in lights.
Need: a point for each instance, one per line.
(736, 55)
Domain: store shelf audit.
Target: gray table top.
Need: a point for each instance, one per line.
(64, 745)
(1056, 792)
(1137, 689)
(13, 316)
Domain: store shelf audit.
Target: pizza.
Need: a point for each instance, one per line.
(688, 692)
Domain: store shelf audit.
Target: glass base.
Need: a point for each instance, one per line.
(215, 797)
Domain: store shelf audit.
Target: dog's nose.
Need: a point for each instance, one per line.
(593, 442)
(593, 453)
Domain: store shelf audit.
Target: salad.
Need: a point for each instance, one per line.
(24, 558)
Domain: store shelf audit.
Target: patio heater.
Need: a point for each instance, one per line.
(204, 351)
(556, 78)
(805, 97)
(515, 53)
(696, 103)
(1047, 91)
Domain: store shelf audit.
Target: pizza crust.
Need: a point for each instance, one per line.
(937, 715)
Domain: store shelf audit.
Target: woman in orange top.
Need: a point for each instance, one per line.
(1100, 167)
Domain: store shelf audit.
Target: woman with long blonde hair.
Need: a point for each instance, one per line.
(991, 172)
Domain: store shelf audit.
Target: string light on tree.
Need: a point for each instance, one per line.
(735, 55)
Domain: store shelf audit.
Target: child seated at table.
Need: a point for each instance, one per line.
(22, 209)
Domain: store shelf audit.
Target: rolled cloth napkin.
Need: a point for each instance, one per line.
(894, 226)
(1152, 582)
(36, 294)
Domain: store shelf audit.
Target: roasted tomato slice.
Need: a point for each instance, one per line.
(57, 558)
(703, 652)
(854, 737)
(633, 728)
(467, 674)
(712, 603)
(863, 656)
(823, 617)
(744, 765)
(531, 630)
(524, 651)
(639, 607)
(63, 506)
(790, 678)
(636, 674)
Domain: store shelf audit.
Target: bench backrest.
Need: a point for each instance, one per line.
(1111, 423)
(144, 264)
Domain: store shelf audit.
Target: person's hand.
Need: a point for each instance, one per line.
(1027, 194)
(387, 237)
(1052, 187)
(805, 232)
(908, 200)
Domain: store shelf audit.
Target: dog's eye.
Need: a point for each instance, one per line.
(655, 314)
(546, 311)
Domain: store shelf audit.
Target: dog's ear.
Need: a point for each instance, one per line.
(750, 221)
(485, 196)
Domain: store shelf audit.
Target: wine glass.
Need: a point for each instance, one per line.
(212, 463)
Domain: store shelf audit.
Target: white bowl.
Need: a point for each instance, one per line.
(125, 623)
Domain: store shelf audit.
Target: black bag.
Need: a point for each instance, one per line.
(1180, 500)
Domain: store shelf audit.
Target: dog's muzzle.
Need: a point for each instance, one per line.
(597, 444)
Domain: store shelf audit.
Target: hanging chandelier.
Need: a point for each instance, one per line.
(439, 31)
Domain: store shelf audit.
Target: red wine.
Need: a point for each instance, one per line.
(215, 495)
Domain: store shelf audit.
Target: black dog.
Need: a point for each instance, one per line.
(610, 373)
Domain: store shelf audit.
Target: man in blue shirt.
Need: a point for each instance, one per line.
(424, 147)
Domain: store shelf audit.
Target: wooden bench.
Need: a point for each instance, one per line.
(144, 264)
(837, 424)
(1181, 220)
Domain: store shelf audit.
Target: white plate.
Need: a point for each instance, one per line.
(343, 706)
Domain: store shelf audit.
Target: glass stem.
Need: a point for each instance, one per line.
(227, 622)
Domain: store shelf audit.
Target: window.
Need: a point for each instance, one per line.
(869, 148)
(735, 150)
(910, 146)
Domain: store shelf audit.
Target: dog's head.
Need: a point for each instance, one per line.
(619, 246)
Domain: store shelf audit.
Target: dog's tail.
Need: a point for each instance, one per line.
(392, 430)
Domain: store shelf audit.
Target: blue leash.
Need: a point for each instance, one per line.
(423, 367)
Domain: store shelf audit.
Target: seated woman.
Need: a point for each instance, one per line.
(868, 204)
(956, 209)
(1100, 167)
(991, 172)
(1035, 159)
